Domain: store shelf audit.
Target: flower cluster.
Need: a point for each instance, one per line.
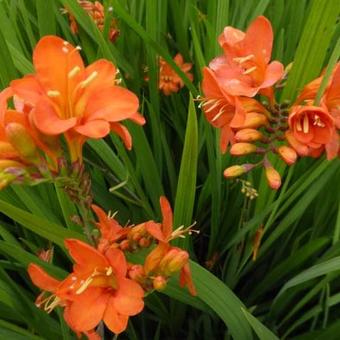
(63, 101)
(96, 12)
(104, 285)
(244, 71)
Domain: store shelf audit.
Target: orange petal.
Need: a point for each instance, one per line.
(85, 255)
(4, 96)
(117, 260)
(332, 148)
(54, 59)
(274, 72)
(154, 258)
(138, 119)
(186, 279)
(116, 322)
(155, 229)
(41, 279)
(112, 104)
(47, 120)
(167, 223)
(28, 89)
(259, 39)
(227, 136)
(123, 133)
(106, 74)
(87, 310)
(94, 129)
(128, 299)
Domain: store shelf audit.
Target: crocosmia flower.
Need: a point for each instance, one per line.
(169, 81)
(96, 290)
(245, 68)
(68, 98)
(311, 127)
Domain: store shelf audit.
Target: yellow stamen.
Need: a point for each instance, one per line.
(298, 125)
(241, 60)
(305, 124)
(50, 306)
(84, 286)
(88, 80)
(219, 114)
(250, 70)
(73, 72)
(53, 93)
(109, 271)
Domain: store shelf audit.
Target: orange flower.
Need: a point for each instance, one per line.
(96, 12)
(169, 81)
(310, 128)
(110, 230)
(98, 289)
(165, 260)
(245, 67)
(227, 112)
(68, 98)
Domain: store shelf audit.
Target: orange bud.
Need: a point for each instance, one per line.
(240, 149)
(21, 140)
(254, 120)
(7, 150)
(124, 245)
(136, 273)
(273, 177)
(248, 135)
(159, 283)
(237, 170)
(6, 163)
(144, 242)
(173, 261)
(287, 153)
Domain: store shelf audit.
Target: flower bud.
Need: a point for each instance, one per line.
(144, 242)
(254, 120)
(237, 170)
(287, 153)
(6, 163)
(240, 149)
(248, 135)
(21, 140)
(7, 150)
(136, 273)
(273, 177)
(159, 283)
(173, 261)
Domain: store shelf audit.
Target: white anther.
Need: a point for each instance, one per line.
(53, 93)
(250, 70)
(73, 72)
(88, 80)
(305, 124)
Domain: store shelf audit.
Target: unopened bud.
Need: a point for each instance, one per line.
(6, 163)
(248, 135)
(144, 242)
(124, 245)
(21, 140)
(254, 120)
(288, 154)
(159, 283)
(273, 177)
(7, 150)
(136, 273)
(237, 170)
(240, 149)
(173, 261)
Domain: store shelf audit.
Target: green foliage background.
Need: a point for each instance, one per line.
(292, 289)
